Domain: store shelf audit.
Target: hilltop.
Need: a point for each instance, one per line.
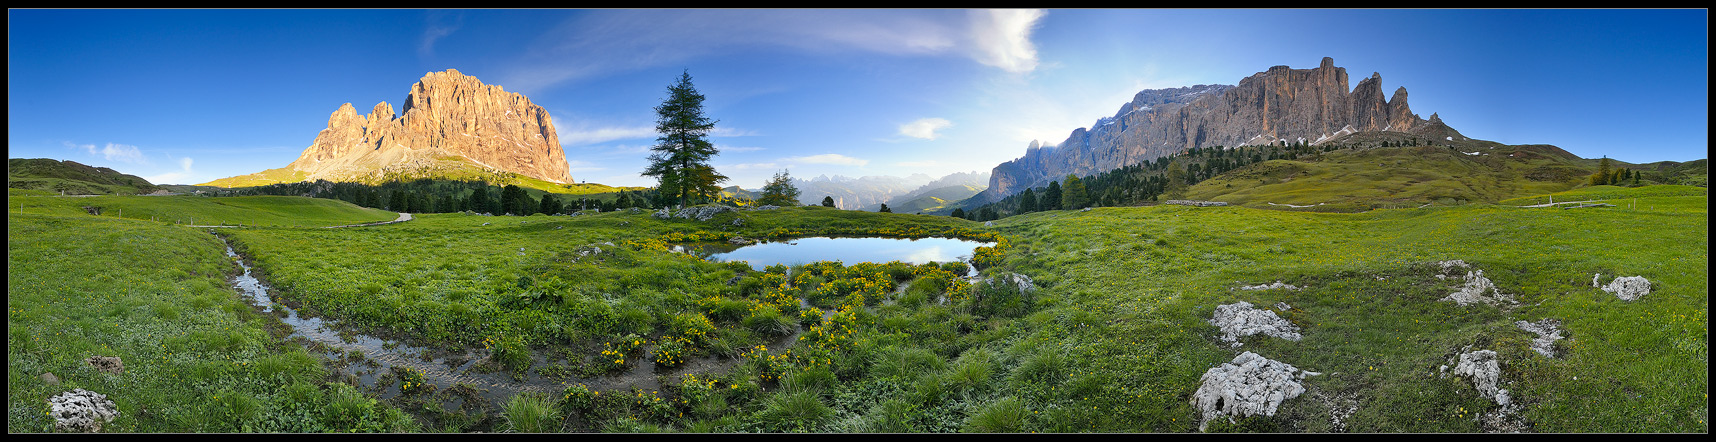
(71, 177)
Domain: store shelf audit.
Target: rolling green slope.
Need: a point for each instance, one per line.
(70, 177)
(245, 210)
(1361, 179)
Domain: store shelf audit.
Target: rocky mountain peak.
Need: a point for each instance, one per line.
(446, 114)
(1278, 104)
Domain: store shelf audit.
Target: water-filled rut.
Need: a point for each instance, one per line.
(439, 369)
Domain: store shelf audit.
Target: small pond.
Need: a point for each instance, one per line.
(847, 250)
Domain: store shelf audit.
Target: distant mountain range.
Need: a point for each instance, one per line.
(1279, 105)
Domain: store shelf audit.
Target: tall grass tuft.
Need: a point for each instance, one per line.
(531, 413)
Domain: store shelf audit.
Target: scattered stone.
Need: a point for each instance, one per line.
(1478, 289)
(1250, 385)
(740, 241)
(1628, 287)
(988, 224)
(559, 227)
(1087, 209)
(1276, 285)
(1594, 283)
(1240, 319)
(1547, 330)
(109, 364)
(1484, 367)
(1014, 281)
(735, 279)
(81, 411)
(50, 379)
(1282, 306)
(485, 224)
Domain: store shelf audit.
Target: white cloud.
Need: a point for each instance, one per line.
(733, 149)
(112, 152)
(924, 128)
(606, 42)
(182, 175)
(731, 132)
(828, 158)
(1002, 38)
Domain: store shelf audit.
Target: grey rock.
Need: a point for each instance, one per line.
(1240, 319)
(81, 411)
(1478, 289)
(1275, 285)
(50, 379)
(1547, 330)
(1250, 385)
(1484, 369)
(1628, 287)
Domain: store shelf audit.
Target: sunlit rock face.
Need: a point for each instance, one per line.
(447, 116)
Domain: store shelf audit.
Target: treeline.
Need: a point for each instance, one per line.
(444, 196)
(1152, 180)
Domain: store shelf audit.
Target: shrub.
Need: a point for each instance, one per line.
(1004, 416)
(793, 411)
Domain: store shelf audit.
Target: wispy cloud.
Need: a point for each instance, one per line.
(612, 41)
(112, 152)
(434, 31)
(924, 128)
(182, 175)
(735, 149)
(828, 158)
(1002, 38)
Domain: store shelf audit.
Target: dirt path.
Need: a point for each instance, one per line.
(403, 217)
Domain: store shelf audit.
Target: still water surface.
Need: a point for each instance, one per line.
(845, 250)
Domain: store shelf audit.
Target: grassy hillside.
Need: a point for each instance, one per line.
(246, 210)
(934, 200)
(70, 177)
(196, 358)
(1360, 179)
(1114, 338)
(1139, 285)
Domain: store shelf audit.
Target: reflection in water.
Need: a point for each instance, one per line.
(846, 250)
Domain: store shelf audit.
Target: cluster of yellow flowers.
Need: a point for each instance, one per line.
(411, 379)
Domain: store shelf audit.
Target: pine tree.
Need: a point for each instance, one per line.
(1074, 195)
(1051, 197)
(779, 191)
(680, 161)
(1028, 201)
(828, 201)
(1602, 175)
(885, 209)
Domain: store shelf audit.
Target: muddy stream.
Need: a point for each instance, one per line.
(445, 370)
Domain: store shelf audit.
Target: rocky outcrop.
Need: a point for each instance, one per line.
(1483, 367)
(1240, 319)
(1628, 287)
(81, 411)
(1547, 330)
(446, 115)
(107, 364)
(1250, 385)
(1279, 104)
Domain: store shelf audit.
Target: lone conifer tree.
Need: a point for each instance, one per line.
(680, 161)
(1074, 195)
(780, 191)
(828, 201)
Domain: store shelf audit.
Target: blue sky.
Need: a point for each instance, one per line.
(187, 96)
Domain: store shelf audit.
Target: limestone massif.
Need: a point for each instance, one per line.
(1279, 104)
(448, 116)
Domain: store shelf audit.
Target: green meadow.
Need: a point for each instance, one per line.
(1114, 337)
